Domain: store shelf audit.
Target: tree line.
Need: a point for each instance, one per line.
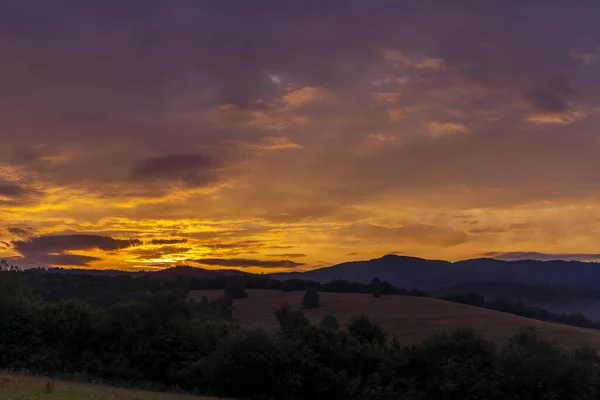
(523, 310)
(527, 293)
(103, 291)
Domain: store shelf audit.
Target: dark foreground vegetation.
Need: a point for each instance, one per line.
(162, 340)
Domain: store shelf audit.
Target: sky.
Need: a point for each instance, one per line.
(273, 135)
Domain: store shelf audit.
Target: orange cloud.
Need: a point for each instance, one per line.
(381, 137)
(431, 63)
(397, 58)
(440, 129)
(342, 131)
(561, 119)
(274, 143)
(305, 95)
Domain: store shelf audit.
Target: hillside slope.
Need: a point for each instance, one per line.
(407, 272)
(412, 272)
(411, 319)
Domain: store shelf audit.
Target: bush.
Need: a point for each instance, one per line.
(330, 322)
(311, 299)
(366, 331)
(290, 320)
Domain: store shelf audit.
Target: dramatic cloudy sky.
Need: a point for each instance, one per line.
(274, 135)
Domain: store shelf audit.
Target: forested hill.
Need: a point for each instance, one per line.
(412, 272)
(433, 274)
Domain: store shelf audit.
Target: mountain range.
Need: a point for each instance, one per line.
(412, 272)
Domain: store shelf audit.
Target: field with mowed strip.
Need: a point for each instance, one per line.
(411, 319)
(18, 387)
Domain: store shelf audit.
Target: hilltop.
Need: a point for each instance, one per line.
(413, 272)
(408, 272)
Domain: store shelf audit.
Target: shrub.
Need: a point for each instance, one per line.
(49, 387)
(311, 299)
(330, 322)
(366, 331)
(290, 320)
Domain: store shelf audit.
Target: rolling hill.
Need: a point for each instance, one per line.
(411, 319)
(412, 272)
(408, 272)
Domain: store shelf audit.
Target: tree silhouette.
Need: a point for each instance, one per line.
(235, 291)
(311, 299)
(376, 287)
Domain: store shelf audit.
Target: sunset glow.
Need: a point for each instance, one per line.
(267, 136)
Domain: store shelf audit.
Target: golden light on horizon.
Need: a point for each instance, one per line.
(299, 149)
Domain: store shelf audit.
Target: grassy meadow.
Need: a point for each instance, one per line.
(16, 387)
(411, 319)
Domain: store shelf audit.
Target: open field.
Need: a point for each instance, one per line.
(14, 387)
(411, 319)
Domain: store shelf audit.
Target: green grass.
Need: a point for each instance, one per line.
(13, 387)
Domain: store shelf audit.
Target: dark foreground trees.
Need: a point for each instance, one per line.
(168, 342)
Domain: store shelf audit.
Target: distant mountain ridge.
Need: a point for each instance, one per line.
(411, 272)
(426, 274)
(168, 273)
